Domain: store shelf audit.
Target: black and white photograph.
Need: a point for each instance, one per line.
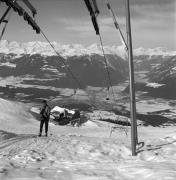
(87, 89)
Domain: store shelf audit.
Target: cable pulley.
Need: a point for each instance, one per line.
(31, 7)
(21, 12)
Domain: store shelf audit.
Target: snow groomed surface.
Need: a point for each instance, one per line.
(80, 153)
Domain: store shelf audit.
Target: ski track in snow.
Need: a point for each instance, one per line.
(84, 153)
(79, 157)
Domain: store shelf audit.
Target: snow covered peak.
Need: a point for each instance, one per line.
(159, 51)
(68, 50)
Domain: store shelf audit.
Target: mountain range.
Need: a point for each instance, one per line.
(43, 48)
(30, 67)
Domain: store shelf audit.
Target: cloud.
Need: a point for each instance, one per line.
(109, 20)
(152, 2)
(69, 21)
(106, 24)
(74, 24)
(144, 8)
(143, 2)
(166, 11)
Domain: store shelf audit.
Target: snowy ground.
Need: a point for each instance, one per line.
(84, 153)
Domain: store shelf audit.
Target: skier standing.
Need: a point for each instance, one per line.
(45, 116)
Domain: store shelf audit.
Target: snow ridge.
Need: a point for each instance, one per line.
(158, 51)
(69, 50)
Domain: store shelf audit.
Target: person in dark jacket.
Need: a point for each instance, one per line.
(45, 116)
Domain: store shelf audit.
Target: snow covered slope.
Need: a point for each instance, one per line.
(165, 74)
(81, 153)
(14, 117)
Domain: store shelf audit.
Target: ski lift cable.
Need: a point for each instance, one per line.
(6, 23)
(121, 36)
(106, 63)
(116, 23)
(62, 59)
(4, 15)
(94, 11)
(64, 66)
(70, 71)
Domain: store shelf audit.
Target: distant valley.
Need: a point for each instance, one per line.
(31, 71)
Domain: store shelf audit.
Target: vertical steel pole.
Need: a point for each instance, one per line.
(134, 138)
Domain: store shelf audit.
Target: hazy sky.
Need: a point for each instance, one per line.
(68, 21)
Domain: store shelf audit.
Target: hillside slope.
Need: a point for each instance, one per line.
(50, 70)
(164, 74)
(80, 153)
(14, 117)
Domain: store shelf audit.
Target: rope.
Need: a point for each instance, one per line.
(109, 82)
(62, 59)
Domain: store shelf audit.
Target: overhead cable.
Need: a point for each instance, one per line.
(116, 23)
(106, 67)
(94, 11)
(62, 59)
(5, 26)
